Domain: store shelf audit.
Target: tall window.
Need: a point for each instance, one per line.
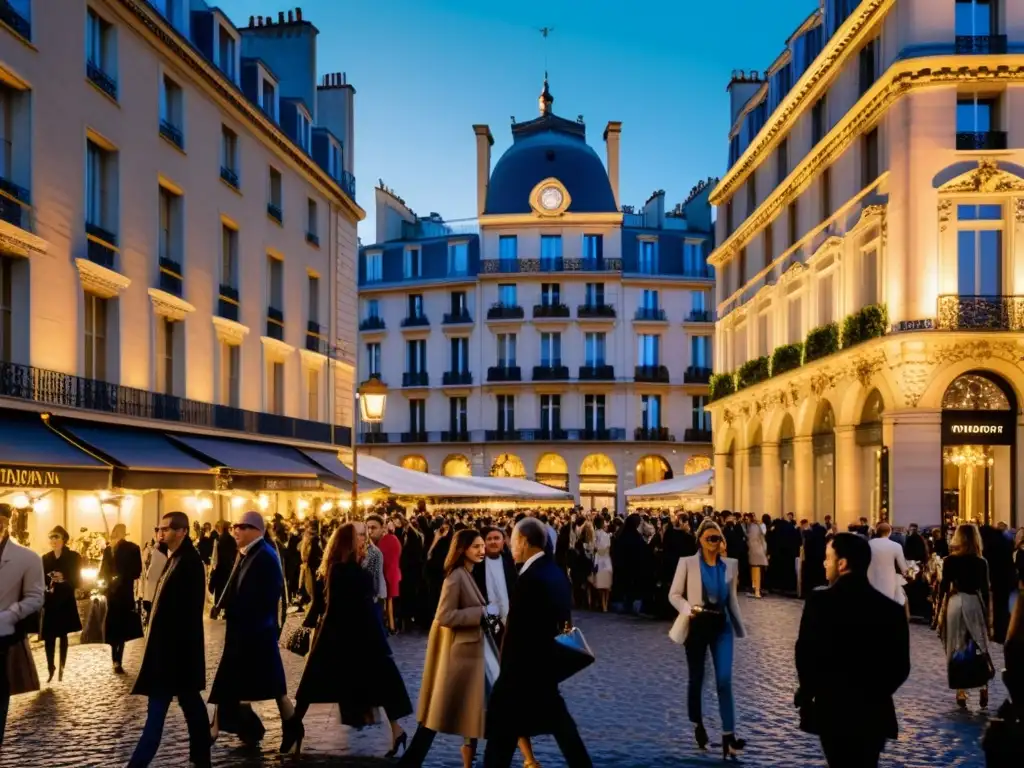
(275, 279)
(818, 121)
(412, 263)
(371, 308)
(550, 248)
(275, 387)
(100, 179)
(226, 52)
(303, 123)
(417, 415)
(459, 308)
(741, 268)
(313, 295)
(6, 310)
(551, 413)
(275, 194)
(551, 349)
(769, 244)
(95, 337)
(230, 374)
(700, 351)
(975, 114)
(647, 349)
(650, 411)
(507, 295)
(791, 223)
(312, 219)
(980, 250)
(868, 71)
(172, 110)
(550, 294)
(593, 247)
(869, 160)
(416, 356)
(782, 161)
(693, 258)
(459, 354)
(796, 319)
(976, 18)
(826, 193)
(647, 261)
(458, 423)
(752, 194)
(506, 413)
(99, 45)
(507, 350)
(701, 414)
(228, 256)
(593, 412)
(869, 293)
(415, 301)
(373, 359)
(374, 267)
(166, 331)
(698, 301)
(649, 300)
(826, 297)
(312, 394)
(269, 102)
(595, 294)
(458, 259)
(507, 248)
(594, 348)
(170, 225)
(764, 347)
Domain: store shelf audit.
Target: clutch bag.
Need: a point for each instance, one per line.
(572, 654)
(298, 640)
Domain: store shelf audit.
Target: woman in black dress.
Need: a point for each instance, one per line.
(120, 567)
(349, 661)
(63, 569)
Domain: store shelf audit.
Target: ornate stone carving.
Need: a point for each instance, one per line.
(987, 178)
(229, 331)
(1018, 209)
(17, 242)
(945, 213)
(170, 306)
(101, 281)
(865, 368)
(795, 270)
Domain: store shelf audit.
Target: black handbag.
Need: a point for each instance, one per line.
(572, 654)
(970, 667)
(298, 641)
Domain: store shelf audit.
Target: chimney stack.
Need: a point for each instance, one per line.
(612, 135)
(252, 19)
(280, 17)
(298, 14)
(291, 17)
(484, 142)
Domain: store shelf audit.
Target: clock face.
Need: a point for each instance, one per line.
(550, 198)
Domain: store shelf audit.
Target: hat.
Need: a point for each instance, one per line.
(254, 519)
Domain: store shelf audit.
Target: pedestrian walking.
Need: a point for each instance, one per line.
(120, 567)
(174, 660)
(21, 597)
(887, 565)
(704, 591)
(757, 553)
(525, 701)
(411, 564)
(601, 574)
(63, 569)
(250, 666)
(156, 560)
(224, 552)
(839, 623)
(391, 572)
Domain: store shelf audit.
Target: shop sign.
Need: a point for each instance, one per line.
(979, 428)
(904, 326)
(29, 477)
(291, 484)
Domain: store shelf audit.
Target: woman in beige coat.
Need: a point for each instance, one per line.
(452, 693)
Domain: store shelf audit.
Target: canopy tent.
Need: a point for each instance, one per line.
(407, 482)
(690, 489)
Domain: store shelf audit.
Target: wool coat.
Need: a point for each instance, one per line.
(120, 568)
(60, 609)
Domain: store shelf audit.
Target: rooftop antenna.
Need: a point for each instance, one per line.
(545, 33)
(546, 99)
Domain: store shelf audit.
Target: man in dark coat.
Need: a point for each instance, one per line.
(120, 567)
(915, 547)
(838, 623)
(1002, 575)
(498, 570)
(525, 700)
(174, 662)
(250, 667)
(223, 561)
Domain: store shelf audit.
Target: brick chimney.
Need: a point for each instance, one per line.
(484, 142)
(612, 135)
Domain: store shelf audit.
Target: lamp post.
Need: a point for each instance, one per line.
(371, 401)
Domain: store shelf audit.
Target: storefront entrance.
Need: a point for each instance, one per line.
(979, 450)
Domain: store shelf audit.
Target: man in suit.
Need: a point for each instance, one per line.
(525, 700)
(174, 662)
(21, 595)
(886, 559)
(838, 623)
(250, 667)
(496, 575)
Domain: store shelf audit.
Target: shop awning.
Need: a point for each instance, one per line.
(331, 463)
(34, 456)
(698, 484)
(271, 467)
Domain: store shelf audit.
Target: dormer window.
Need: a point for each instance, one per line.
(267, 91)
(303, 126)
(227, 49)
(334, 159)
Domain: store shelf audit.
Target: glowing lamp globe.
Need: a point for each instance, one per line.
(373, 396)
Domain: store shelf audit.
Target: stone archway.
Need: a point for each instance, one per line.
(456, 465)
(652, 469)
(414, 462)
(508, 465)
(552, 470)
(598, 482)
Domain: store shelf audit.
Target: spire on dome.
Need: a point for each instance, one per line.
(546, 99)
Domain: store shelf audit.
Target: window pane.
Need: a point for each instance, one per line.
(990, 266)
(966, 261)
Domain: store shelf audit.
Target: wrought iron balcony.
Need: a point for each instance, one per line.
(492, 435)
(981, 140)
(62, 390)
(461, 378)
(14, 199)
(552, 372)
(655, 374)
(595, 311)
(275, 213)
(12, 17)
(550, 434)
(229, 176)
(315, 341)
(649, 314)
(101, 79)
(504, 373)
(653, 434)
(348, 183)
(374, 437)
(516, 265)
(313, 239)
(101, 246)
(550, 311)
(501, 311)
(227, 302)
(696, 374)
(694, 435)
(597, 372)
(457, 318)
(416, 379)
(699, 316)
(372, 323)
(415, 437)
(552, 264)
(170, 277)
(415, 321)
(275, 323)
(603, 434)
(980, 313)
(981, 44)
(455, 436)
(172, 133)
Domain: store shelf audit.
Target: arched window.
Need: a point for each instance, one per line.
(415, 463)
(456, 465)
(508, 465)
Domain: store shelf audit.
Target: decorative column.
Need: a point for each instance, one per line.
(915, 476)
(723, 482)
(771, 480)
(849, 477)
(803, 472)
(741, 481)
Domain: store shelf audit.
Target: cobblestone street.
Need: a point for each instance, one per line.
(630, 706)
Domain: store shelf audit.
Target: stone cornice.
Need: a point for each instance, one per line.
(823, 71)
(230, 93)
(311, 359)
(100, 281)
(276, 349)
(169, 305)
(17, 242)
(229, 331)
(902, 78)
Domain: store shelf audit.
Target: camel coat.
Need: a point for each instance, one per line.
(452, 693)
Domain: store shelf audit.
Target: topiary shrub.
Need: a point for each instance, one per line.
(868, 323)
(786, 358)
(752, 372)
(851, 330)
(821, 342)
(721, 385)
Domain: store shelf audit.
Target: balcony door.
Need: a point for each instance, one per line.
(980, 250)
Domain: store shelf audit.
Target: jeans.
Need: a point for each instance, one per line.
(198, 729)
(721, 645)
(51, 647)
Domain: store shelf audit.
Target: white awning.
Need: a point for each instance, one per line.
(687, 486)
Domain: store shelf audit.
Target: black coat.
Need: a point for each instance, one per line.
(60, 609)
(205, 547)
(120, 570)
(226, 551)
(250, 667)
(174, 661)
(915, 548)
(525, 700)
(838, 623)
(509, 566)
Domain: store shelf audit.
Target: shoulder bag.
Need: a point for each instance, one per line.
(572, 654)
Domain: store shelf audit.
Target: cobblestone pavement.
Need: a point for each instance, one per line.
(630, 706)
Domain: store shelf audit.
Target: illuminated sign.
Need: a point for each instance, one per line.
(27, 477)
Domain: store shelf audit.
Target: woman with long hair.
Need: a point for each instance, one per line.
(757, 553)
(63, 570)
(965, 602)
(452, 697)
(349, 661)
(601, 578)
(704, 593)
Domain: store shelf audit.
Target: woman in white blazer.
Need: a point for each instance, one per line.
(704, 593)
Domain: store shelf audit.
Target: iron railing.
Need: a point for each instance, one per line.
(455, 436)
(170, 279)
(504, 373)
(313, 239)
(501, 311)
(415, 321)
(699, 316)
(415, 437)
(275, 212)
(979, 140)
(452, 378)
(597, 372)
(980, 313)
(981, 44)
(653, 434)
(415, 379)
(373, 323)
(101, 80)
(275, 323)
(649, 313)
(695, 435)
(172, 133)
(457, 318)
(551, 311)
(554, 371)
(657, 374)
(696, 374)
(595, 311)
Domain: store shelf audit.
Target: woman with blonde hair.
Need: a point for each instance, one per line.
(965, 607)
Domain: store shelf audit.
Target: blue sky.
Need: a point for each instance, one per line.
(426, 70)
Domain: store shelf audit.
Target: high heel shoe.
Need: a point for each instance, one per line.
(52, 670)
(399, 743)
(983, 699)
(731, 746)
(961, 699)
(701, 735)
(291, 742)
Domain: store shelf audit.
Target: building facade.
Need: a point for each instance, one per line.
(869, 346)
(561, 337)
(177, 257)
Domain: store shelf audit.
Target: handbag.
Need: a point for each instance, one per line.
(970, 667)
(298, 641)
(492, 658)
(572, 654)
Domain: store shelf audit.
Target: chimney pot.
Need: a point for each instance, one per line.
(291, 17)
(252, 20)
(280, 17)
(298, 14)
(259, 21)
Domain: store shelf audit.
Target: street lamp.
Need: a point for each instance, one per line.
(372, 400)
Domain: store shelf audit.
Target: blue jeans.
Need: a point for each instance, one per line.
(198, 729)
(721, 646)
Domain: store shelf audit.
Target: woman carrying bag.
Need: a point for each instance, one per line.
(63, 570)
(704, 593)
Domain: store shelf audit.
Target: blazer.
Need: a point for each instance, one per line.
(21, 585)
(687, 591)
(886, 559)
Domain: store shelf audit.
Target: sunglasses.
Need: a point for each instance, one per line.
(713, 539)
(243, 527)
(54, 536)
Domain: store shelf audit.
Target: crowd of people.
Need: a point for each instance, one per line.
(494, 592)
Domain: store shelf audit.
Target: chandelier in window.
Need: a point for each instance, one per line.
(972, 392)
(968, 456)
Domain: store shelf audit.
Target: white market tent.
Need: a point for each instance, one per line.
(408, 482)
(688, 488)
